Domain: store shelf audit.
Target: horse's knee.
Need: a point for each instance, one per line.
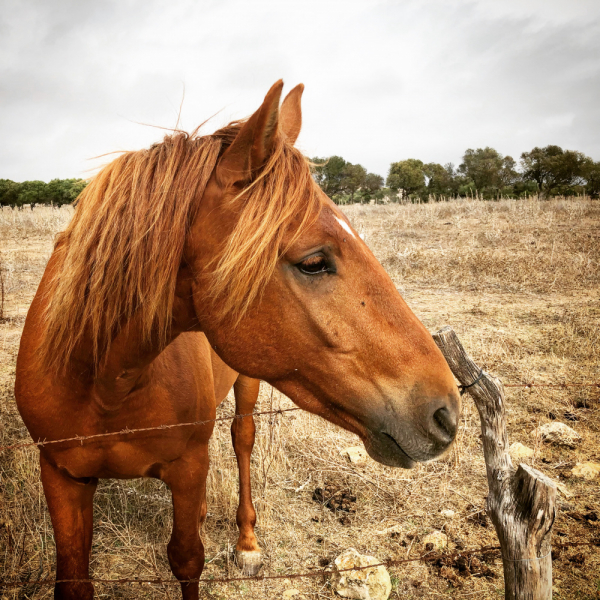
(186, 557)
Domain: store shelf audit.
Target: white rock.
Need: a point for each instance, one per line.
(447, 513)
(519, 451)
(587, 470)
(558, 433)
(563, 489)
(357, 455)
(437, 538)
(394, 529)
(290, 594)
(366, 584)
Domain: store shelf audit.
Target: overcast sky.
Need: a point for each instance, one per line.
(385, 79)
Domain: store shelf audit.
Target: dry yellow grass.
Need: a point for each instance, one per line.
(518, 280)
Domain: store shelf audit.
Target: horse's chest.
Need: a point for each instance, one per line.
(123, 459)
(136, 445)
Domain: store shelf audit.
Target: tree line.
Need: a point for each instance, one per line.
(483, 173)
(56, 192)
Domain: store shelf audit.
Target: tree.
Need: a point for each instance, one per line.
(33, 192)
(407, 175)
(65, 191)
(373, 182)
(9, 192)
(556, 171)
(440, 179)
(592, 176)
(58, 191)
(329, 174)
(343, 181)
(490, 172)
(353, 179)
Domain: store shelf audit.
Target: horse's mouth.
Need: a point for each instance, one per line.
(385, 449)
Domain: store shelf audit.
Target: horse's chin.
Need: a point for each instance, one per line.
(383, 448)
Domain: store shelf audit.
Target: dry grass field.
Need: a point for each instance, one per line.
(520, 283)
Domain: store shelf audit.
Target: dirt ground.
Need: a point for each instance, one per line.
(520, 283)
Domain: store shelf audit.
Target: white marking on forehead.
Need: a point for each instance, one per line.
(345, 226)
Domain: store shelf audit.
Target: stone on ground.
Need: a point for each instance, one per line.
(292, 593)
(365, 584)
(447, 513)
(519, 451)
(394, 530)
(357, 455)
(563, 489)
(587, 470)
(558, 433)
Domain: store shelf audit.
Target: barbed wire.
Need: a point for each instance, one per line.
(314, 572)
(127, 430)
(552, 385)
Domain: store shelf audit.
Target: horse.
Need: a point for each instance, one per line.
(202, 262)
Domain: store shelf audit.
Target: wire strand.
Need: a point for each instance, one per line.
(316, 572)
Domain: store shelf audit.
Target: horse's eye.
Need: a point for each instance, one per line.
(313, 265)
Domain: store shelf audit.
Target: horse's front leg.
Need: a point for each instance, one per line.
(247, 551)
(186, 479)
(70, 503)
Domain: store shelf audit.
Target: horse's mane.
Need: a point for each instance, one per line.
(121, 252)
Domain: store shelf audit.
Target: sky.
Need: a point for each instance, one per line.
(385, 80)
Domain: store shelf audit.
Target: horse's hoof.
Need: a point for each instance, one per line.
(248, 561)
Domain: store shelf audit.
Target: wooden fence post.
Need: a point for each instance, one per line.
(521, 504)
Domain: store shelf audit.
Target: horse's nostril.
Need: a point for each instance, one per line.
(446, 422)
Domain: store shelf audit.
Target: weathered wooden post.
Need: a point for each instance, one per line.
(521, 504)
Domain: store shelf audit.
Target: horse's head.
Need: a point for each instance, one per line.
(286, 291)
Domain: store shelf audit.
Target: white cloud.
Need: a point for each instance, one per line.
(385, 80)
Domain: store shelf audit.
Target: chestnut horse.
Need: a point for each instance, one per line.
(185, 265)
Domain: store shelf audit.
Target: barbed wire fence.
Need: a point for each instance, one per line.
(428, 557)
(279, 411)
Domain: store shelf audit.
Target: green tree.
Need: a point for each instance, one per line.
(33, 192)
(372, 188)
(592, 176)
(343, 181)
(407, 175)
(556, 171)
(65, 191)
(440, 179)
(329, 174)
(9, 192)
(58, 191)
(489, 171)
(373, 182)
(354, 177)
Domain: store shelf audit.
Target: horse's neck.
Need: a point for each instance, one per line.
(130, 356)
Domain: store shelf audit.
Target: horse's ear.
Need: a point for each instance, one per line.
(291, 114)
(252, 146)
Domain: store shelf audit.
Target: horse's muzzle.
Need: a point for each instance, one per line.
(404, 442)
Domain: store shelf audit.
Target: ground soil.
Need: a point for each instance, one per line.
(520, 283)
